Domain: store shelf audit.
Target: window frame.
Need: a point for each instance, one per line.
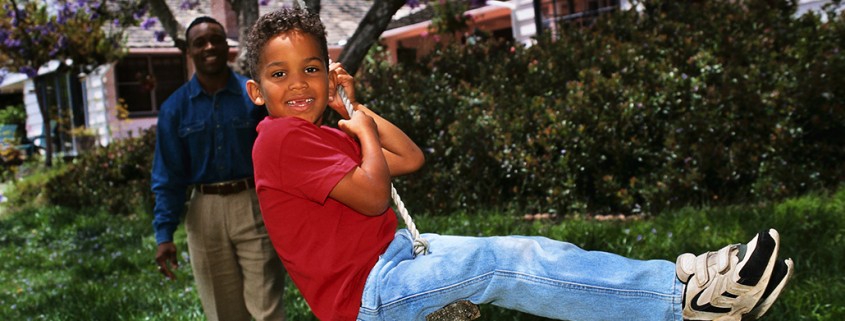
(149, 60)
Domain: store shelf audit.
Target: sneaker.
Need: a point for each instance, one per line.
(729, 283)
(780, 276)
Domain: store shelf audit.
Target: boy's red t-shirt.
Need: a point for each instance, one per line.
(327, 248)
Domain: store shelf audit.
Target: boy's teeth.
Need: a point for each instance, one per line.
(301, 101)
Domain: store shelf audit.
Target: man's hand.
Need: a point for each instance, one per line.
(167, 253)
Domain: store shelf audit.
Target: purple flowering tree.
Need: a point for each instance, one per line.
(79, 34)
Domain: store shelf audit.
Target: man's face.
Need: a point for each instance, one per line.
(292, 77)
(208, 49)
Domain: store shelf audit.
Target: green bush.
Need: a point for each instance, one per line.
(681, 103)
(13, 114)
(115, 177)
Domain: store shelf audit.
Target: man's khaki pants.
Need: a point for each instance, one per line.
(236, 269)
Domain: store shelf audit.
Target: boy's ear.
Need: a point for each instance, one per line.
(254, 92)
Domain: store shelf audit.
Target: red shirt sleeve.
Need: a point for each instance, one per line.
(319, 163)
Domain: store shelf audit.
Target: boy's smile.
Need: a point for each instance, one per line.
(292, 79)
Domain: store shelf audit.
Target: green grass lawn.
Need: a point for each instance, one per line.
(58, 264)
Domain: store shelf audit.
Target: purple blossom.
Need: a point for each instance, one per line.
(263, 2)
(62, 43)
(61, 18)
(137, 15)
(413, 3)
(12, 43)
(29, 71)
(147, 24)
(189, 4)
(116, 22)
(159, 35)
(53, 52)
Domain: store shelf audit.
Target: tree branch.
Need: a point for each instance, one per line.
(368, 32)
(159, 9)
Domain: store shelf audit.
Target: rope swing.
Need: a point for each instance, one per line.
(420, 244)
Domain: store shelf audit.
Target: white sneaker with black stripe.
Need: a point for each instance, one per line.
(734, 282)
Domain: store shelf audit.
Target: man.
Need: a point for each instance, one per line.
(205, 134)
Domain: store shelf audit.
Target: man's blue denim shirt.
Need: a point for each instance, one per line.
(201, 139)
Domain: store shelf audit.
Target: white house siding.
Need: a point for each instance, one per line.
(813, 5)
(34, 124)
(96, 113)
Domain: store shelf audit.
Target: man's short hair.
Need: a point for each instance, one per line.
(199, 20)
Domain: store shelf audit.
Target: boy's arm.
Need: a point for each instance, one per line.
(402, 154)
(366, 188)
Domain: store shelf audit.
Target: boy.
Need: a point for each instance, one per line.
(324, 195)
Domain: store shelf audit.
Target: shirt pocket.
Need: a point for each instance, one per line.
(187, 129)
(243, 123)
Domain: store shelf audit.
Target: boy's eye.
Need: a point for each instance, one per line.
(277, 74)
(311, 69)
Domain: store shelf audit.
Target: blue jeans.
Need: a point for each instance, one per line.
(535, 275)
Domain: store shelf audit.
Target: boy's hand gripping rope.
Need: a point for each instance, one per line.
(420, 244)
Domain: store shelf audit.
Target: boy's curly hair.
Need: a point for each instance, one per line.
(279, 21)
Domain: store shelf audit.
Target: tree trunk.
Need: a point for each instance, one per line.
(176, 31)
(247, 11)
(368, 32)
(313, 6)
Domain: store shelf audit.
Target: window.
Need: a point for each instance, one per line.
(144, 82)
(576, 12)
(406, 55)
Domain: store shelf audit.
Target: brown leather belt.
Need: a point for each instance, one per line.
(227, 187)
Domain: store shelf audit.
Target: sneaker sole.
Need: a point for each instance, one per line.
(780, 277)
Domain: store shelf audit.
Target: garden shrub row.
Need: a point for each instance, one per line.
(115, 177)
(680, 103)
(701, 102)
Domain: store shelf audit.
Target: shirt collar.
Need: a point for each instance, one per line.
(232, 85)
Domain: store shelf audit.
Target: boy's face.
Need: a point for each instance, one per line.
(292, 77)
(208, 49)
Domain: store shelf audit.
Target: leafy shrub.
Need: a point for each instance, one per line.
(13, 114)
(678, 104)
(115, 177)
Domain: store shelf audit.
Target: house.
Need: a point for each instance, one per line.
(121, 99)
(518, 20)
(408, 37)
